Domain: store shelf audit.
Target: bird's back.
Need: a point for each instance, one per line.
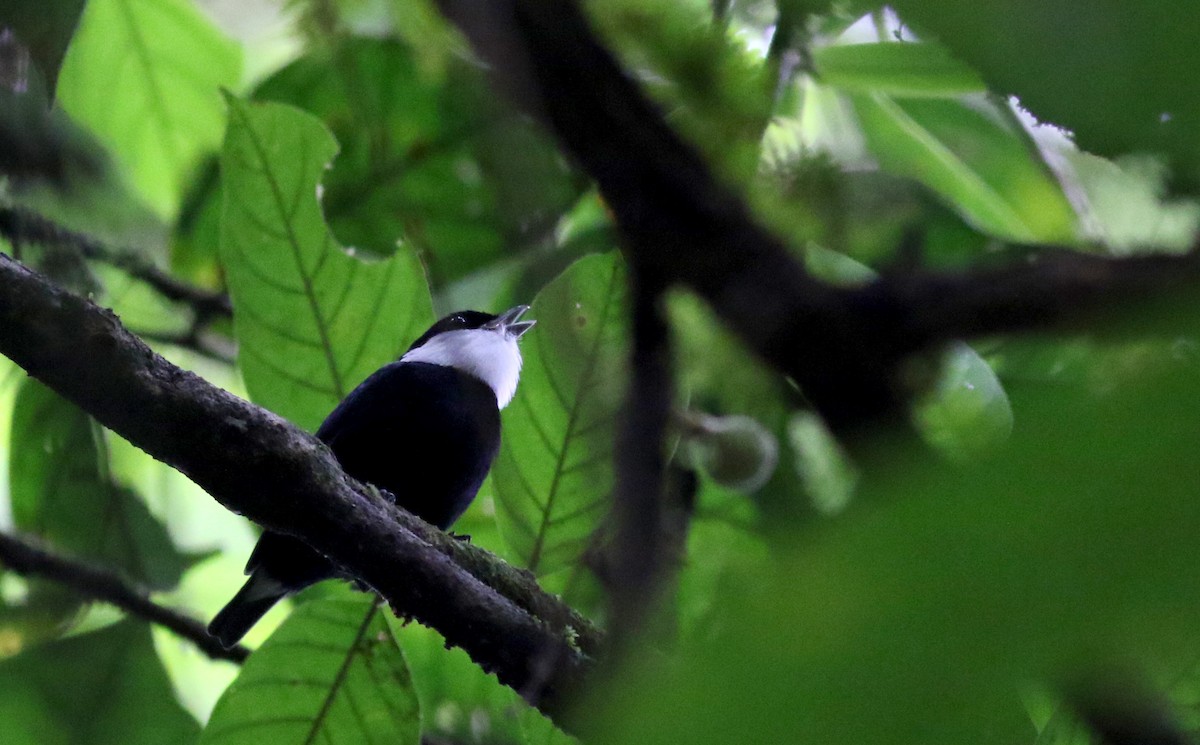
(426, 433)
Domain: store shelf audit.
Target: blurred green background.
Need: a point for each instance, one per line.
(1032, 537)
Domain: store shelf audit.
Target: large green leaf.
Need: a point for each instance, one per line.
(311, 320)
(435, 160)
(61, 490)
(145, 76)
(106, 687)
(553, 476)
(331, 673)
(976, 156)
(1118, 74)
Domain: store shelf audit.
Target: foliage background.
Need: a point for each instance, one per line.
(345, 173)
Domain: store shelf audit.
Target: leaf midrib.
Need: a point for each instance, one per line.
(294, 244)
(340, 679)
(539, 540)
(142, 53)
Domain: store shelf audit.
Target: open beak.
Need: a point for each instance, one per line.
(509, 323)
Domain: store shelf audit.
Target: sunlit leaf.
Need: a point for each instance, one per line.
(975, 156)
(331, 673)
(311, 320)
(106, 687)
(145, 75)
(554, 473)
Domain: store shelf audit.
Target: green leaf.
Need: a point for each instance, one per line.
(443, 164)
(101, 688)
(144, 75)
(553, 476)
(61, 491)
(460, 701)
(1116, 75)
(973, 154)
(901, 69)
(538, 730)
(331, 673)
(311, 320)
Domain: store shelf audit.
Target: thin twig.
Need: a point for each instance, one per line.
(20, 225)
(194, 339)
(24, 557)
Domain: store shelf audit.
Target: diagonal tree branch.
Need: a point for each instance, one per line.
(257, 464)
(843, 346)
(95, 583)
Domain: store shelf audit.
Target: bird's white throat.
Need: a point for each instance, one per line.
(490, 355)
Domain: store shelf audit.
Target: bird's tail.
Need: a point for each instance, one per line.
(251, 603)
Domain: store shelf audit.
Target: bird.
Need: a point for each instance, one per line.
(424, 428)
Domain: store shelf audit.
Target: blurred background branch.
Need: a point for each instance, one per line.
(26, 558)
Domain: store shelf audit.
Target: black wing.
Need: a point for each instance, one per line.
(426, 433)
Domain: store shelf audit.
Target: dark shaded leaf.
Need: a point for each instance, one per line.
(61, 491)
(1116, 73)
(105, 687)
(44, 28)
(434, 160)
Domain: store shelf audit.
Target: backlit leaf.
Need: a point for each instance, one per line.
(331, 673)
(1118, 74)
(145, 76)
(61, 491)
(311, 320)
(553, 476)
(911, 69)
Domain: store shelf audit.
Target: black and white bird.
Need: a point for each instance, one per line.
(424, 428)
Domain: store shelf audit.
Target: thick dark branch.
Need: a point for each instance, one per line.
(284, 479)
(23, 226)
(27, 559)
(637, 562)
(842, 346)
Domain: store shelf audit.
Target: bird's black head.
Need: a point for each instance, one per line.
(459, 321)
(479, 344)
